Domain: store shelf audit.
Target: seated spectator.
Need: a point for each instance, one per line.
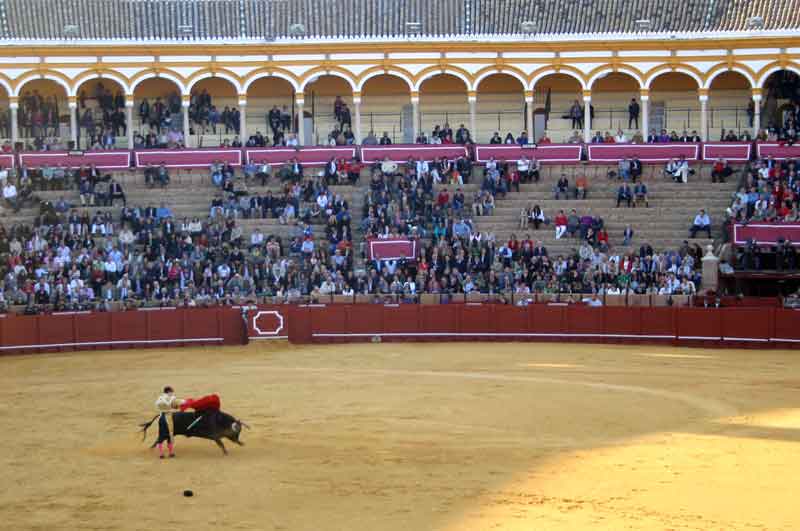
(537, 216)
(573, 223)
(560, 223)
(720, 171)
(385, 140)
(636, 168)
(701, 223)
(598, 138)
(10, 195)
(581, 186)
(522, 139)
(620, 137)
(678, 170)
(576, 138)
(496, 138)
(562, 187)
(640, 194)
(115, 192)
(624, 193)
(627, 235)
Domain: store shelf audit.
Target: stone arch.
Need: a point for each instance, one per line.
(388, 71)
(42, 74)
(207, 73)
(775, 67)
(334, 71)
(609, 69)
(500, 69)
(119, 79)
(683, 69)
(434, 71)
(6, 84)
(262, 73)
(153, 73)
(549, 71)
(721, 69)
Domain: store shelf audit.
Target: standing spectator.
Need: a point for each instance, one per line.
(576, 115)
(633, 114)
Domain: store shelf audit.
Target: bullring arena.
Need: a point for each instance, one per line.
(464, 265)
(446, 436)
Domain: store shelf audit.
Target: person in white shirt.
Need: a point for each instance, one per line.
(620, 138)
(422, 167)
(10, 195)
(678, 170)
(256, 238)
(701, 223)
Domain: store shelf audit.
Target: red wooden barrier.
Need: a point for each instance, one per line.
(730, 151)
(546, 153)
(131, 329)
(402, 152)
(104, 160)
(188, 158)
(740, 327)
(612, 153)
(310, 156)
(777, 151)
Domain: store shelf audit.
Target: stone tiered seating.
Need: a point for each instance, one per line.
(664, 224)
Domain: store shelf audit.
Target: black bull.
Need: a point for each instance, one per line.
(213, 425)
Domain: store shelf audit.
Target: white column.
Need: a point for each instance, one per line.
(757, 114)
(299, 101)
(704, 117)
(243, 118)
(14, 106)
(73, 123)
(415, 116)
(129, 121)
(529, 117)
(186, 128)
(357, 118)
(473, 105)
(645, 115)
(587, 117)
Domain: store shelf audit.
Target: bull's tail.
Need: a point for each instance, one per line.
(145, 426)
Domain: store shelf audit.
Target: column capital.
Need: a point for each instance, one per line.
(129, 101)
(472, 95)
(703, 98)
(357, 94)
(242, 100)
(13, 105)
(528, 96)
(72, 105)
(414, 96)
(186, 100)
(702, 92)
(356, 99)
(587, 95)
(644, 93)
(299, 98)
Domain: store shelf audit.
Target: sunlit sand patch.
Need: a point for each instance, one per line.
(551, 365)
(777, 418)
(687, 356)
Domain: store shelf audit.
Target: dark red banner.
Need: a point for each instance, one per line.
(306, 156)
(104, 160)
(730, 151)
(7, 160)
(766, 233)
(400, 153)
(609, 153)
(566, 153)
(188, 158)
(778, 150)
(392, 249)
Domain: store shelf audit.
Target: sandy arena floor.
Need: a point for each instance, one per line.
(409, 437)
